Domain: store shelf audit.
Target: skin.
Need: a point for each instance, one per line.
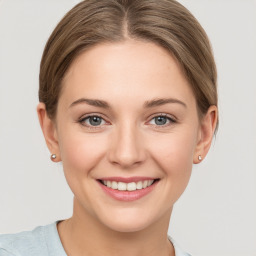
(128, 142)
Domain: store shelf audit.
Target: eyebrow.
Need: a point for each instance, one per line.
(91, 102)
(160, 102)
(148, 104)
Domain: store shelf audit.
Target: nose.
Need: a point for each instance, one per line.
(126, 147)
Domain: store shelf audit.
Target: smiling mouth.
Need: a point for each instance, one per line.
(131, 186)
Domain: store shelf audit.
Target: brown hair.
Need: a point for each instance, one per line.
(164, 22)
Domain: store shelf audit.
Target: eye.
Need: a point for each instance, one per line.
(162, 120)
(92, 121)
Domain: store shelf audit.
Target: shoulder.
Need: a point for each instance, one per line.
(178, 250)
(24, 243)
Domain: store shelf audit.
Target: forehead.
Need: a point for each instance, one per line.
(124, 71)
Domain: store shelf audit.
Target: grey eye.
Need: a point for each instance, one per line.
(94, 120)
(160, 120)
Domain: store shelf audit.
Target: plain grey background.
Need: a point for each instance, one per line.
(217, 213)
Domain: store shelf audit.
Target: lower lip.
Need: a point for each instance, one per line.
(128, 195)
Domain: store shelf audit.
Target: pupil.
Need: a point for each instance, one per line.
(160, 120)
(95, 120)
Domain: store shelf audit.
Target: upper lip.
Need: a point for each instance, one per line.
(127, 179)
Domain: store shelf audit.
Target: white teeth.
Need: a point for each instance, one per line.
(114, 185)
(132, 186)
(139, 185)
(109, 184)
(145, 184)
(150, 182)
(121, 186)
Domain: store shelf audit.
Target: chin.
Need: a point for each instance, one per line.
(127, 227)
(127, 221)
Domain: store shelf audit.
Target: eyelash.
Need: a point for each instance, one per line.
(169, 118)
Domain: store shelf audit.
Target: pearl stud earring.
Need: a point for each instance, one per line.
(53, 156)
(200, 158)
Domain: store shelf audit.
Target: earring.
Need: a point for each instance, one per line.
(53, 157)
(200, 158)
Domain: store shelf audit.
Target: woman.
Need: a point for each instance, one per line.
(128, 103)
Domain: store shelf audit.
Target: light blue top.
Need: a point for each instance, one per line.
(42, 241)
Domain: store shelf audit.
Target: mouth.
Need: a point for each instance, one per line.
(127, 189)
(131, 186)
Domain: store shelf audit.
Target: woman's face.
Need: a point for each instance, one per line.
(126, 115)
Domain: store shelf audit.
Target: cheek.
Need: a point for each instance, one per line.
(174, 155)
(174, 151)
(81, 152)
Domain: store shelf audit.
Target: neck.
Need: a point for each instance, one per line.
(83, 233)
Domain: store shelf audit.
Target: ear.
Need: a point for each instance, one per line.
(206, 132)
(49, 130)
